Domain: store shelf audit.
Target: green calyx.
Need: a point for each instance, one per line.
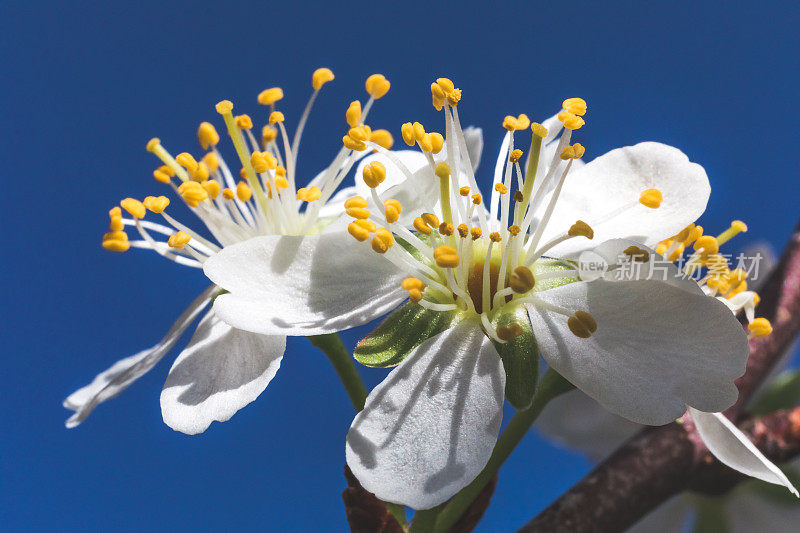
(520, 357)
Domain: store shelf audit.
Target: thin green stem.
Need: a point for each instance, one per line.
(331, 344)
(552, 385)
(424, 521)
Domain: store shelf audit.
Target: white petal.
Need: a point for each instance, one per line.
(733, 448)
(303, 285)
(578, 422)
(412, 159)
(121, 374)
(656, 348)
(429, 428)
(220, 371)
(473, 136)
(617, 179)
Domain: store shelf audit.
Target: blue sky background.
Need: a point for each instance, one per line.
(85, 85)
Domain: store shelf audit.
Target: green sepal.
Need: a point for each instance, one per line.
(782, 393)
(520, 358)
(399, 333)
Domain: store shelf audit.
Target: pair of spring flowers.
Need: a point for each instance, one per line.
(490, 285)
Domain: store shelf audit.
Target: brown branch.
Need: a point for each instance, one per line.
(663, 461)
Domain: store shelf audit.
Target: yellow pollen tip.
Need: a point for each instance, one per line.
(187, 161)
(523, 122)
(539, 130)
(445, 84)
(355, 201)
(463, 230)
(415, 295)
(407, 132)
(421, 226)
(515, 155)
(431, 220)
(270, 96)
(374, 174)
(507, 333)
(243, 191)
(760, 327)
(320, 77)
(442, 170)
(651, 198)
(454, 97)
(281, 183)
(359, 133)
(582, 324)
(134, 207)
(464, 191)
(571, 121)
(211, 161)
(224, 107)
(436, 141)
(116, 245)
(514, 230)
(476, 199)
(309, 194)
(382, 138)
(268, 134)
(161, 176)
(576, 106)
(353, 114)
(382, 240)
(476, 233)
(377, 86)
(275, 117)
(178, 240)
(419, 131)
(153, 143)
(521, 280)
(412, 283)
(243, 122)
(634, 253)
(358, 232)
(756, 298)
(446, 256)
(353, 144)
(708, 245)
(392, 210)
(212, 187)
(495, 237)
(228, 194)
(510, 123)
(446, 229)
(499, 187)
(207, 135)
(156, 204)
(581, 228)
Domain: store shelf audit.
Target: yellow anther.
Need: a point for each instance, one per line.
(708, 245)
(156, 204)
(419, 131)
(353, 114)
(374, 174)
(446, 229)
(211, 161)
(576, 106)
(383, 239)
(187, 161)
(243, 191)
(582, 324)
(737, 289)
(570, 121)
(476, 199)
(514, 230)
(661, 248)
(115, 235)
(368, 225)
(756, 298)
(268, 134)
(415, 295)
(115, 212)
(463, 230)
(153, 143)
(446, 256)
(737, 226)
(281, 183)
(212, 187)
(634, 253)
(163, 177)
(518, 197)
(454, 97)
(464, 191)
(407, 132)
(677, 253)
(507, 333)
(353, 144)
(201, 173)
(412, 283)
(259, 162)
(499, 187)
(521, 280)
(192, 193)
(357, 212)
(275, 117)
(437, 96)
(523, 122)
(737, 275)
(134, 207)
(442, 170)
(270, 96)
(578, 150)
(377, 86)
(207, 135)
(760, 327)
(355, 201)
(651, 198)
(228, 194)
(476, 233)
(243, 122)
(515, 155)
(392, 210)
(445, 84)
(437, 142)
(116, 241)
(179, 239)
(309, 194)
(382, 138)
(510, 123)
(567, 153)
(495, 237)
(116, 224)
(426, 143)
(581, 228)
(431, 220)
(421, 226)
(358, 232)
(359, 133)
(224, 107)
(320, 77)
